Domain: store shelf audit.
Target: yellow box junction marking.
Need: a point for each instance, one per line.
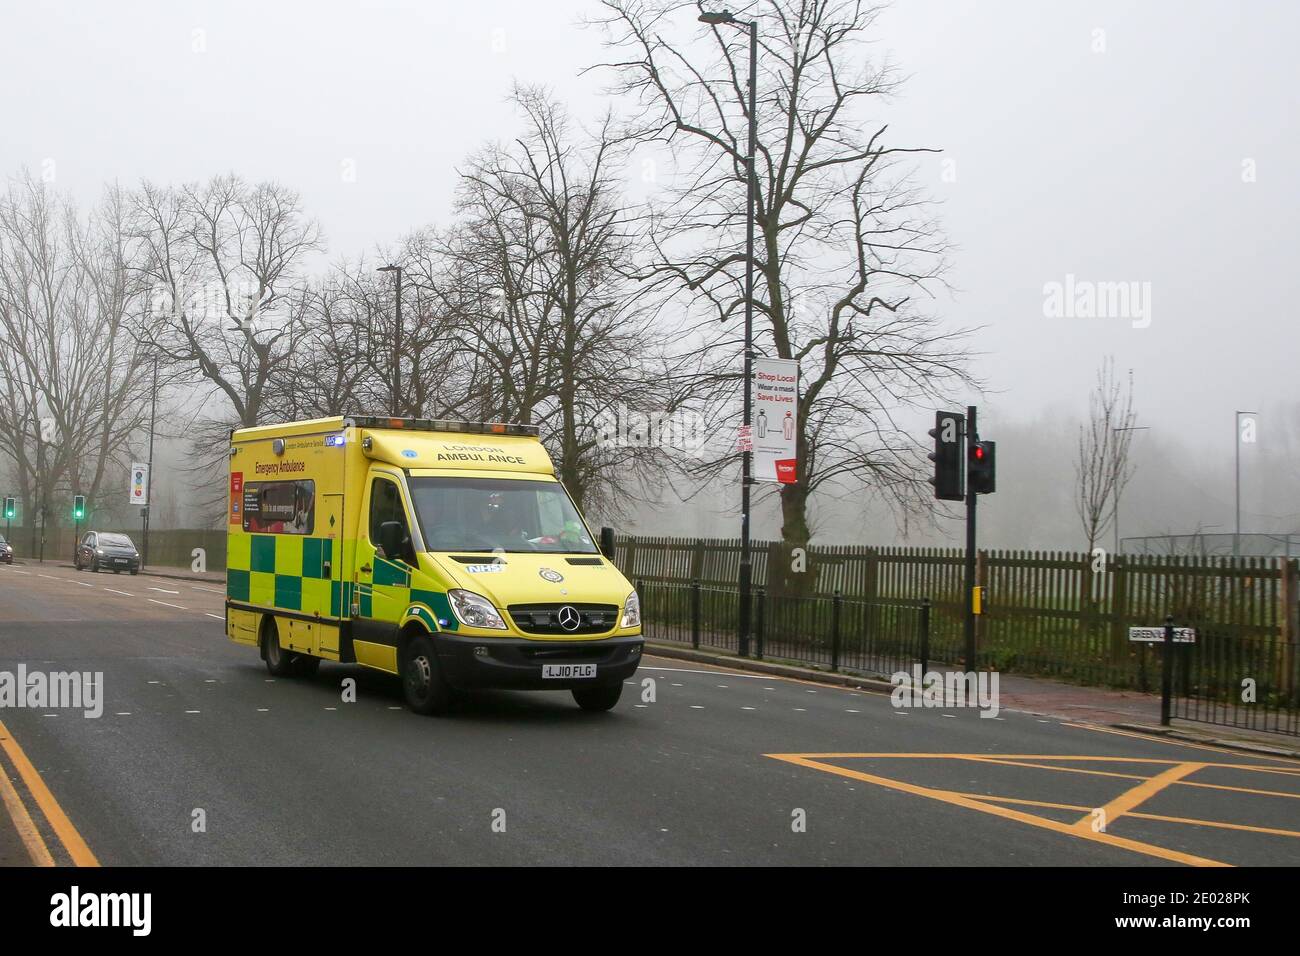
(1126, 804)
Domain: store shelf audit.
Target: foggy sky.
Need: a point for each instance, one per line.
(1124, 165)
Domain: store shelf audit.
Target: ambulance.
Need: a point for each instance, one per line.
(446, 553)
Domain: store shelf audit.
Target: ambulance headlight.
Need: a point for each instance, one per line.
(474, 610)
(631, 611)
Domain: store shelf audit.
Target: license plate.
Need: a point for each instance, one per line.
(119, 560)
(568, 671)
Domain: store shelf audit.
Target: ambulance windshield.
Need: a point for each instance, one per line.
(487, 514)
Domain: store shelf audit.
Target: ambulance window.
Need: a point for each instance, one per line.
(386, 505)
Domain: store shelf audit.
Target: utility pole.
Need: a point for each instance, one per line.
(148, 488)
(972, 436)
(747, 455)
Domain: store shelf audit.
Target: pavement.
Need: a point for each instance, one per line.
(200, 758)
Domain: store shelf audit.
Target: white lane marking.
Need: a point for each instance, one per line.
(724, 686)
(195, 587)
(641, 706)
(123, 713)
(747, 708)
(685, 670)
(16, 571)
(853, 712)
(950, 716)
(193, 711)
(263, 710)
(83, 584)
(696, 707)
(155, 682)
(802, 709)
(116, 591)
(900, 713)
(165, 604)
(394, 708)
(163, 590)
(217, 616)
(49, 576)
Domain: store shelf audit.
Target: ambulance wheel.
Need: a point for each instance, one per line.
(422, 682)
(278, 661)
(304, 665)
(597, 698)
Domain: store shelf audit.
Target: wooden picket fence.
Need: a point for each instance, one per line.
(1057, 613)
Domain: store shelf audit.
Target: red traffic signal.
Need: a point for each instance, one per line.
(982, 468)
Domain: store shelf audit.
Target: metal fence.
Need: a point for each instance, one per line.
(1062, 614)
(868, 637)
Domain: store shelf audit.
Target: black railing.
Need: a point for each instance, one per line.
(833, 632)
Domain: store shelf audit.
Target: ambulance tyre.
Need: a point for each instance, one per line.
(279, 662)
(597, 698)
(423, 685)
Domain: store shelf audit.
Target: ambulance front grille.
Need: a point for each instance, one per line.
(545, 618)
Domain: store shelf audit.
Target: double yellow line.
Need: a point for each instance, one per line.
(73, 844)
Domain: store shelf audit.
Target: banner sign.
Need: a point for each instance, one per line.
(776, 419)
(139, 490)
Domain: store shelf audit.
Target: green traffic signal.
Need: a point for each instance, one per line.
(11, 509)
(79, 507)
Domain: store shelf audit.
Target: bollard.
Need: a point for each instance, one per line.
(1167, 675)
(695, 614)
(837, 604)
(925, 637)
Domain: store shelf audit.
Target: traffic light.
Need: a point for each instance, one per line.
(982, 472)
(11, 508)
(949, 436)
(79, 507)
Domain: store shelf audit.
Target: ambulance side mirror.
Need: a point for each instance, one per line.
(607, 542)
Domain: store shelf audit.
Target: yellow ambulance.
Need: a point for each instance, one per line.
(444, 552)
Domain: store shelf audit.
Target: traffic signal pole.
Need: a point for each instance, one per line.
(972, 436)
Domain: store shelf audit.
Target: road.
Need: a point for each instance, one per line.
(719, 768)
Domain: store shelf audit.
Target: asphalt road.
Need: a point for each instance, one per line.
(716, 769)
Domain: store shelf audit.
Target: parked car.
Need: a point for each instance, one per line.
(107, 551)
(6, 551)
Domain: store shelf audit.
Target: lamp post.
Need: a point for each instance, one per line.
(1236, 528)
(395, 404)
(751, 177)
(1119, 488)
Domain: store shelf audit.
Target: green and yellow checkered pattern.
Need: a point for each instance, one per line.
(284, 571)
(289, 573)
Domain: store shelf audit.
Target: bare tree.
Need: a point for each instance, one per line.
(1102, 469)
(537, 291)
(70, 370)
(222, 266)
(846, 250)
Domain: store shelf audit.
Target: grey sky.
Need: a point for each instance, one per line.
(1115, 166)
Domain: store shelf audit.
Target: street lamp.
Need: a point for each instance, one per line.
(746, 556)
(397, 342)
(1119, 488)
(1236, 532)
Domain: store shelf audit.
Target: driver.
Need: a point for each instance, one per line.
(495, 521)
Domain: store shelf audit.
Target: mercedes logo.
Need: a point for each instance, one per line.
(569, 618)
